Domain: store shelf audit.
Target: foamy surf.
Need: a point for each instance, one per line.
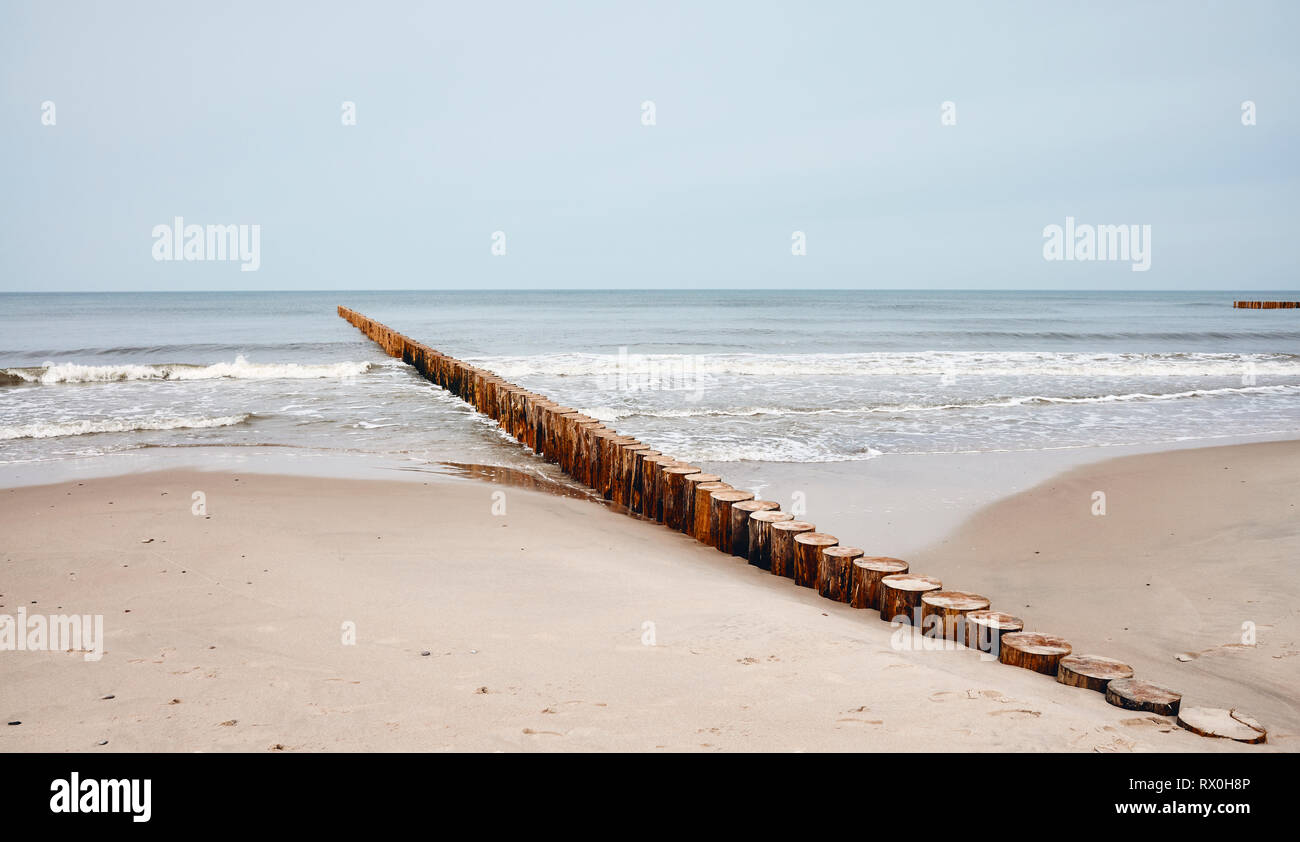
(611, 414)
(60, 429)
(899, 364)
(240, 369)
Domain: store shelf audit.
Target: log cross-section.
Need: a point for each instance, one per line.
(720, 505)
(1091, 671)
(1034, 651)
(738, 530)
(943, 613)
(864, 589)
(807, 556)
(835, 571)
(783, 546)
(900, 596)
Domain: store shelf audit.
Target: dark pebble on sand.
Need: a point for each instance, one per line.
(425, 653)
(16, 722)
(109, 696)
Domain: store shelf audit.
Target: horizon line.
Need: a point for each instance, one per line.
(631, 289)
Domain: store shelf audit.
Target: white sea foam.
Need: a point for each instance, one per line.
(241, 369)
(605, 413)
(58, 429)
(907, 364)
(785, 450)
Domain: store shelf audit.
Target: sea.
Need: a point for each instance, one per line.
(709, 376)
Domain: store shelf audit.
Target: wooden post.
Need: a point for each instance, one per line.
(597, 441)
(760, 536)
(864, 586)
(563, 438)
(626, 465)
(948, 610)
(584, 450)
(1135, 694)
(984, 630)
(900, 595)
(738, 529)
(703, 507)
(835, 571)
(536, 406)
(720, 503)
(1092, 672)
(783, 551)
(611, 466)
(675, 494)
(1033, 651)
(602, 446)
(688, 498)
(654, 494)
(509, 417)
(553, 425)
(807, 556)
(637, 501)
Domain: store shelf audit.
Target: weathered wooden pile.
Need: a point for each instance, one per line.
(1266, 305)
(648, 484)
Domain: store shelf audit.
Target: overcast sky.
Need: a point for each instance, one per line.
(527, 118)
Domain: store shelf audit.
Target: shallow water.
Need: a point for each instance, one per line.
(710, 376)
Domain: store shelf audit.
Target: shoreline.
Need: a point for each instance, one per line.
(557, 626)
(900, 502)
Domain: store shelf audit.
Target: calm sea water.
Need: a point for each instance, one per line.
(710, 376)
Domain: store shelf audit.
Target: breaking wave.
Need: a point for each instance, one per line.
(240, 369)
(59, 429)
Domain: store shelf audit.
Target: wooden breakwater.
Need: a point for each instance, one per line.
(1266, 305)
(654, 486)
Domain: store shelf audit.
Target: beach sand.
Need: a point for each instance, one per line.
(1192, 575)
(226, 630)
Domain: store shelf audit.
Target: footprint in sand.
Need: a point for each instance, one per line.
(1019, 713)
(1162, 725)
(1119, 744)
(1213, 650)
(995, 695)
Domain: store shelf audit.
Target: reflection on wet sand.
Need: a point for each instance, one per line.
(507, 476)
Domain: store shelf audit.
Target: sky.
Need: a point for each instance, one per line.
(529, 119)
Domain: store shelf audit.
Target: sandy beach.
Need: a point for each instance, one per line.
(562, 625)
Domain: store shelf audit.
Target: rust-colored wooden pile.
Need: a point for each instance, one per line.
(648, 484)
(1266, 305)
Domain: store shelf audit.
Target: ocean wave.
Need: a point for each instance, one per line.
(686, 370)
(780, 451)
(605, 413)
(59, 429)
(240, 369)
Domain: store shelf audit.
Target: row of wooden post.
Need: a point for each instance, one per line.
(654, 486)
(1266, 305)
